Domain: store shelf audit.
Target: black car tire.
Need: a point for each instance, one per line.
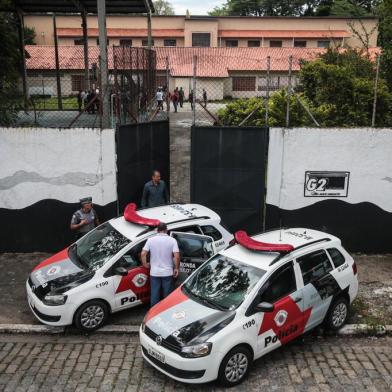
(91, 315)
(337, 314)
(235, 366)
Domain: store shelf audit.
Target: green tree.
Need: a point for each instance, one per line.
(385, 40)
(10, 60)
(29, 35)
(163, 7)
(337, 88)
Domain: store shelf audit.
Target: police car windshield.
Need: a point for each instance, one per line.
(222, 282)
(99, 245)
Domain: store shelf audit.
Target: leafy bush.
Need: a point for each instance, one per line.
(337, 88)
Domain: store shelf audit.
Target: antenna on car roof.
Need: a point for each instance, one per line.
(280, 229)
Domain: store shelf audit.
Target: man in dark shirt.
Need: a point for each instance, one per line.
(155, 192)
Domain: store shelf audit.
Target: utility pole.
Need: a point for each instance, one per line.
(56, 55)
(104, 90)
(289, 93)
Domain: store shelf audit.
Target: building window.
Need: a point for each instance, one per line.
(145, 42)
(160, 81)
(299, 44)
(107, 42)
(253, 44)
(78, 41)
(231, 43)
(323, 44)
(244, 83)
(77, 82)
(275, 44)
(201, 39)
(125, 42)
(169, 42)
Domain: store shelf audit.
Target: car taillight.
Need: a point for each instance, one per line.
(354, 268)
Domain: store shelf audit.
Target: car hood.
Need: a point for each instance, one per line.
(57, 274)
(182, 321)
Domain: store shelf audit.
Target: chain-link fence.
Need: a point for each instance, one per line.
(209, 86)
(266, 87)
(69, 94)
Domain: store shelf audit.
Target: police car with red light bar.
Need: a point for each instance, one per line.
(248, 300)
(102, 273)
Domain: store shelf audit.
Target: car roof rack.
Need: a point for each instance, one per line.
(326, 239)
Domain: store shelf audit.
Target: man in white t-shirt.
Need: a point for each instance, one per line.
(164, 263)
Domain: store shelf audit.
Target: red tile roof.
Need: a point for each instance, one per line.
(116, 32)
(211, 62)
(283, 33)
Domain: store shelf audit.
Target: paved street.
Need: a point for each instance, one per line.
(114, 363)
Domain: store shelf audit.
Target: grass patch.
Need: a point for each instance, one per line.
(361, 307)
(52, 103)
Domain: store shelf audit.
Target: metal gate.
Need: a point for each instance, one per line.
(228, 173)
(141, 148)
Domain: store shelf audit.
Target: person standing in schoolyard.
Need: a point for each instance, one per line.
(159, 98)
(164, 263)
(205, 97)
(181, 95)
(175, 97)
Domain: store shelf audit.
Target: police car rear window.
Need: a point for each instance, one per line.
(337, 258)
(212, 232)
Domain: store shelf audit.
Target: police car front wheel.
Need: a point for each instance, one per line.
(235, 366)
(337, 314)
(91, 315)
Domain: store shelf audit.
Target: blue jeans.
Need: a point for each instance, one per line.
(157, 283)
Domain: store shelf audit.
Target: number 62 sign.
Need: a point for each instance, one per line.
(326, 184)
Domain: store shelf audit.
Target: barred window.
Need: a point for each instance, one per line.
(77, 82)
(160, 80)
(145, 42)
(125, 42)
(299, 44)
(169, 42)
(253, 43)
(201, 39)
(275, 44)
(231, 43)
(323, 44)
(244, 83)
(78, 41)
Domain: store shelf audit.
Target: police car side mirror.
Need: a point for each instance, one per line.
(264, 307)
(121, 271)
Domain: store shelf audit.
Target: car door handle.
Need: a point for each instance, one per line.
(297, 299)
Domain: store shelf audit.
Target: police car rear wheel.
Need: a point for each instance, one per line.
(91, 315)
(235, 366)
(337, 314)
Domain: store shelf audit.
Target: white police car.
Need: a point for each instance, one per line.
(248, 300)
(102, 273)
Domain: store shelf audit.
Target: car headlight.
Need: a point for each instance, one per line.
(199, 350)
(54, 299)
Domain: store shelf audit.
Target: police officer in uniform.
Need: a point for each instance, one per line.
(84, 219)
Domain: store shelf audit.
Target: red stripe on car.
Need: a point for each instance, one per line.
(53, 259)
(175, 298)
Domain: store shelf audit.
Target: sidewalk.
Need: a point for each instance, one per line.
(373, 305)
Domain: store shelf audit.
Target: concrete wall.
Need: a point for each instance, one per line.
(335, 180)
(44, 173)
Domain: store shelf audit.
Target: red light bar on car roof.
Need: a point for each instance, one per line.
(132, 216)
(247, 242)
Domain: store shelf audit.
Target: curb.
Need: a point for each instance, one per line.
(347, 330)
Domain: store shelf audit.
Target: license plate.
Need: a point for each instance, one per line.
(155, 354)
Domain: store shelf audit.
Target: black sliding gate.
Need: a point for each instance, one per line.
(141, 148)
(228, 168)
